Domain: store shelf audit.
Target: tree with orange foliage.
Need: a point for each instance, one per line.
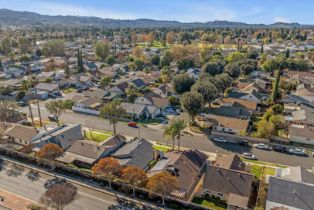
(162, 183)
(137, 177)
(108, 167)
(50, 151)
(138, 53)
(170, 37)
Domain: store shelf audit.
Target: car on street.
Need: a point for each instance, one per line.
(22, 103)
(54, 181)
(297, 151)
(249, 156)
(52, 117)
(243, 143)
(281, 149)
(220, 139)
(132, 124)
(261, 146)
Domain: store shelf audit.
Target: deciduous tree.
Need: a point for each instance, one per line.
(108, 167)
(162, 183)
(182, 83)
(101, 49)
(56, 107)
(192, 102)
(60, 195)
(135, 176)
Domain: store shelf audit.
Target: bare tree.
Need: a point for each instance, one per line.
(59, 195)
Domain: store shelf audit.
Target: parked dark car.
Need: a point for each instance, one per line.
(244, 143)
(22, 103)
(54, 181)
(52, 117)
(280, 149)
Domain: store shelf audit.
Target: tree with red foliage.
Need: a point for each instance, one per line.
(162, 183)
(108, 167)
(135, 176)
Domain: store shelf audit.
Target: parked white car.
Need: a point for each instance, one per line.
(249, 156)
(220, 139)
(261, 146)
(297, 151)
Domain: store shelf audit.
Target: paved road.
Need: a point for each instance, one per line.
(200, 142)
(21, 185)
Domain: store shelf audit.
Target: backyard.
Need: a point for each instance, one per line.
(211, 203)
(97, 136)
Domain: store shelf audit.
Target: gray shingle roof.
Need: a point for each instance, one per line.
(228, 181)
(47, 87)
(137, 153)
(86, 148)
(290, 193)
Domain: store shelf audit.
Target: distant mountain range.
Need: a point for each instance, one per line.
(17, 18)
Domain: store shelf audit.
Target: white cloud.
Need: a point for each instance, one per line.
(54, 8)
(281, 19)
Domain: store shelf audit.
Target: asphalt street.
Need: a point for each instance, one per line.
(22, 185)
(199, 142)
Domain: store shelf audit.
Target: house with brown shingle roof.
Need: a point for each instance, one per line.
(226, 124)
(21, 134)
(233, 162)
(188, 166)
(241, 103)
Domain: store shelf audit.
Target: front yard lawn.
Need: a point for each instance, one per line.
(264, 163)
(257, 170)
(98, 136)
(161, 148)
(211, 203)
(68, 90)
(151, 121)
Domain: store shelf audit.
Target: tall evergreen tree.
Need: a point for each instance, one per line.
(287, 53)
(276, 91)
(1, 67)
(80, 66)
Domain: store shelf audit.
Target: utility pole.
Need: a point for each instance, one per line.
(39, 114)
(31, 112)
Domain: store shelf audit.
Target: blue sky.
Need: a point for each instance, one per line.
(249, 11)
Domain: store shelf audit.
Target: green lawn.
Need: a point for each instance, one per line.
(155, 44)
(98, 136)
(162, 148)
(151, 121)
(210, 203)
(263, 163)
(257, 170)
(68, 90)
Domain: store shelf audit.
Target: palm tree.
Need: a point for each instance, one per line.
(174, 130)
(179, 125)
(169, 132)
